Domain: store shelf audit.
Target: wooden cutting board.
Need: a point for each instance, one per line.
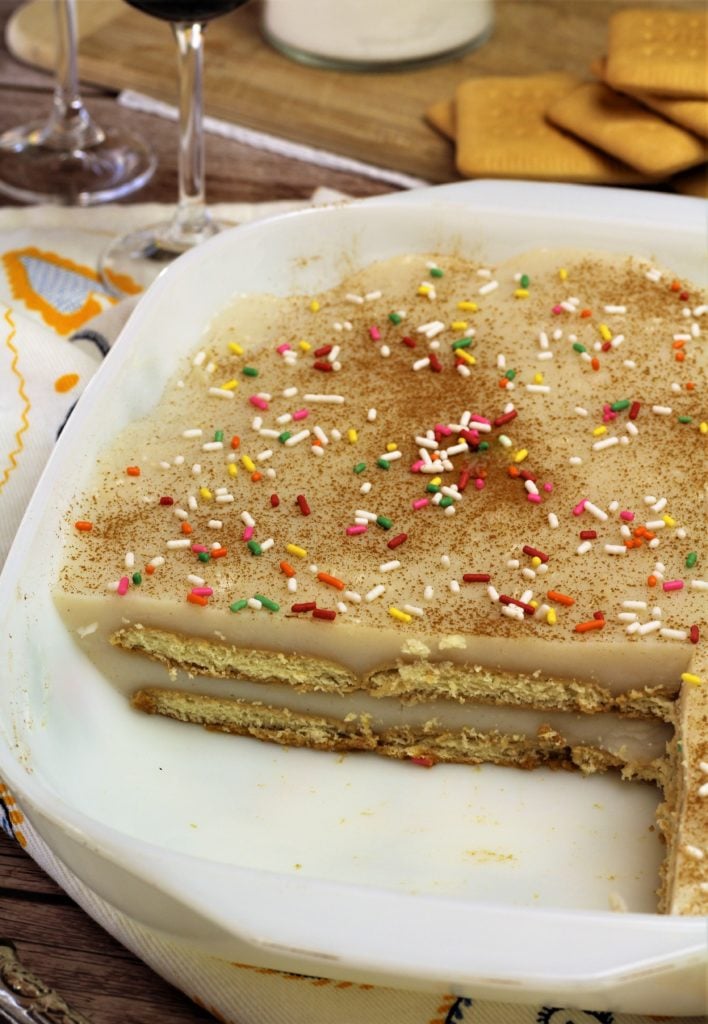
(375, 117)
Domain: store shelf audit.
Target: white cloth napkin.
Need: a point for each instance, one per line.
(56, 323)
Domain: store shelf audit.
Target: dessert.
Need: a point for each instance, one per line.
(444, 512)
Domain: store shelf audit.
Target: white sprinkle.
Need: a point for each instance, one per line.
(352, 596)
(319, 434)
(375, 592)
(297, 438)
(267, 544)
(616, 549)
(224, 499)
(575, 460)
(420, 364)
(632, 628)
(627, 617)
(699, 584)
(615, 309)
(617, 340)
(653, 275)
(606, 442)
(365, 487)
(164, 465)
(662, 410)
(464, 370)
(656, 524)
(199, 358)
(659, 505)
(342, 608)
(543, 339)
(703, 765)
(489, 287)
(393, 456)
(253, 602)
(289, 392)
(529, 574)
(581, 411)
(389, 566)
(180, 514)
(215, 524)
(325, 399)
(129, 560)
(413, 609)
(694, 852)
(544, 355)
(222, 392)
(370, 296)
(157, 561)
(318, 450)
(181, 543)
(649, 627)
(213, 446)
(493, 593)
(540, 389)
(356, 299)
(553, 520)
(583, 548)
(639, 605)
(371, 415)
(673, 634)
(454, 586)
(196, 469)
(595, 511)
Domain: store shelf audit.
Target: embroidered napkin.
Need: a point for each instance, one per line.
(56, 324)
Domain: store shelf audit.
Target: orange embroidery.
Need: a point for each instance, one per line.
(66, 382)
(23, 395)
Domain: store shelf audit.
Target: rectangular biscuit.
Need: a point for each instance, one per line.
(502, 132)
(623, 128)
(443, 117)
(659, 50)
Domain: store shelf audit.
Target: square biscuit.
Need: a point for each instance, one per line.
(659, 50)
(623, 128)
(502, 132)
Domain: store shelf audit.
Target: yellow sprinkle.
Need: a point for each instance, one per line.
(703, 427)
(391, 446)
(233, 469)
(314, 306)
(305, 346)
(248, 463)
(535, 561)
(521, 455)
(230, 385)
(459, 325)
(669, 520)
(688, 677)
(538, 378)
(605, 332)
(533, 603)
(205, 493)
(235, 348)
(467, 357)
(563, 274)
(599, 430)
(551, 617)
(436, 481)
(352, 436)
(468, 307)
(521, 293)
(294, 549)
(425, 289)
(396, 613)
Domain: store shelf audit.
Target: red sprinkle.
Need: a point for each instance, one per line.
(302, 503)
(303, 606)
(476, 577)
(465, 477)
(408, 341)
(274, 500)
(505, 417)
(694, 635)
(527, 608)
(166, 500)
(435, 364)
(324, 613)
(534, 552)
(634, 410)
(324, 366)
(398, 539)
(423, 761)
(588, 534)
(323, 350)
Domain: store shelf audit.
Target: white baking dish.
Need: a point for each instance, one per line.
(489, 882)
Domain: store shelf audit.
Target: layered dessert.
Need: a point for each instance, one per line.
(443, 512)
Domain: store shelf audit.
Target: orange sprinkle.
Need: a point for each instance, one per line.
(256, 477)
(197, 599)
(675, 286)
(235, 441)
(325, 577)
(513, 471)
(689, 385)
(83, 525)
(651, 581)
(595, 363)
(149, 569)
(287, 569)
(680, 357)
(554, 595)
(504, 382)
(678, 344)
(219, 552)
(585, 627)
(133, 470)
(585, 313)
(186, 528)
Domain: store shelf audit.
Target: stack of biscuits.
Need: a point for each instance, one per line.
(643, 120)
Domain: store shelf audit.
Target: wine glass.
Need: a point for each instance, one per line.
(138, 258)
(68, 158)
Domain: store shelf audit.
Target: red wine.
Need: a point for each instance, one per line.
(190, 11)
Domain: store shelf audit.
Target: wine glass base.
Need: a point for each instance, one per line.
(131, 263)
(32, 171)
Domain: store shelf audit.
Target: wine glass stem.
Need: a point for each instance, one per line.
(191, 221)
(70, 125)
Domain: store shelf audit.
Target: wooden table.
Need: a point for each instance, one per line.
(55, 938)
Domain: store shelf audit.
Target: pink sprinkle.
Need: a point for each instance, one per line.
(374, 333)
(248, 532)
(672, 585)
(442, 431)
(579, 508)
(301, 414)
(199, 549)
(420, 503)
(479, 483)
(260, 403)
(285, 347)
(608, 414)
(202, 591)
(417, 466)
(627, 515)
(354, 530)
(557, 310)
(548, 487)
(123, 584)
(535, 498)
(480, 419)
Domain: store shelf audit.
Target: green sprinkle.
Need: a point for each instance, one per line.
(691, 559)
(137, 578)
(510, 374)
(525, 281)
(436, 272)
(203, 556)
(578, 347)
(685, 419)
(444, 502)
(461, 343)
(483, 446)
(238, 605)
(272, 606)
(432, 488)
(384, 522)
(383, 463)
(395, 318)
(219, 435)
(284, 436)
(624, 403)
(679, 747)
(254, 547)
(250, 371)
(360, 467)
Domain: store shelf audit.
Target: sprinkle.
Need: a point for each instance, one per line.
(476, 577)
(396, 613)
(590, 624)
(384, 522)
(691, 559)
(332, 581)
(397, 540)
(302, 504)
(564, 599)
(375, 592)
(389, 566)
(83, 525)
(197, 599)
(672, 585)
(325, 399)
(295, 549)
(534, 552)
(221, 392)
(694, 852)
